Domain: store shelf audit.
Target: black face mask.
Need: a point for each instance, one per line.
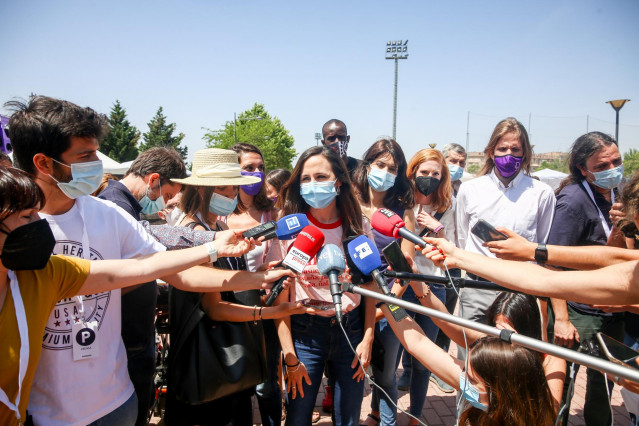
(426, 184)
(28, 247)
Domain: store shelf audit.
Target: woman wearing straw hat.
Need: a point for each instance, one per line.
(210, 192)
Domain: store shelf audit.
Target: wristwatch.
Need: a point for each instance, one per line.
(541, 254)
(212, 251)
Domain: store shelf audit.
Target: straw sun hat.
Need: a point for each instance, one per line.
(216, 167)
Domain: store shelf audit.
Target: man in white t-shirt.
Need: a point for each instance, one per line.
(82, 374)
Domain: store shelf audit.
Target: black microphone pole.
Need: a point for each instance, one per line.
(336, 292)
(458, 282)
(589, 361)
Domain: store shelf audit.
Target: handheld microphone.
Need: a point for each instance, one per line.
(284, 229)
(307, 244)
(366, 258)
(390, 224)
(331, 263)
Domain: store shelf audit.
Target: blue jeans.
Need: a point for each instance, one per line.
(268, 394)
(419, 374)
(124, 415)
(386, 379)
(319, 340)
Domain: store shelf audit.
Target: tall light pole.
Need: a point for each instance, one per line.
(396, 50)
(235, 123)
(617, 105)
(318, 137)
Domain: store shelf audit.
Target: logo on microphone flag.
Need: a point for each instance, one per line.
(363, 250)
(292, 223)
(296, 260)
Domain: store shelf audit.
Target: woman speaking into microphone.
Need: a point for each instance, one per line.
(321, 188)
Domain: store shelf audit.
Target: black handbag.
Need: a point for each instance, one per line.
(211, 359)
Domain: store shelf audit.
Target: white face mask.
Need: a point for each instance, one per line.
(86, 178)
(173, 216)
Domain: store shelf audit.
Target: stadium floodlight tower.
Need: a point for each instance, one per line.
(396, 50)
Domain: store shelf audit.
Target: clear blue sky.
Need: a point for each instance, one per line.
(556, 62)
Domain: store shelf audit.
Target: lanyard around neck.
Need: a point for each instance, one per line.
(23, 330)
(606, 228)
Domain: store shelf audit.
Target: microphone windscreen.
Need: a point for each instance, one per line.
(387, 222)
(330, 258)
(364, 254)
(289, 226)
(306, 245)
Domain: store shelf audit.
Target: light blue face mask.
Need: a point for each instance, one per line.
(456, 172)
(86, 177)
(221, 205)
(318, 194)
(471, 393)
(150, 206)
(608, 179)
(380, 180)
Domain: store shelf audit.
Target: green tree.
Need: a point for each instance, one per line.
(161, 134)
(630, 162)
(120, 143)
(473, 168)
(561, 165)
(267, 133)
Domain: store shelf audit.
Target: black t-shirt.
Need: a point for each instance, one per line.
(577, 223)
(351, 165)
(138, 306)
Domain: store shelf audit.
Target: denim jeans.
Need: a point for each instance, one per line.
(124, 415)
(319, 340)
(419, 374)
(268, 393)
(386, 379)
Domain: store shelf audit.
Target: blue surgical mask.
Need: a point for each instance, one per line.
(86, 177)
(608, 179)
(456, 172)
(150, 206)
(471, 393)
(221, 205)
(318, 194)
(380, 180)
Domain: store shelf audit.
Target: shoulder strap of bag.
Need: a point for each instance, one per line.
(437, 216)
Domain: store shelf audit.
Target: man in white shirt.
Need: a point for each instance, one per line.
(80, 381)
(504, 195)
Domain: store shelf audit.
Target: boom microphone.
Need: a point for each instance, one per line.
(331, 263)
(307, 244)
(390, 224)
(284, 229)
(366, 258)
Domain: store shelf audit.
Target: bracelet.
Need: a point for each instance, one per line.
(292, 366)
(254, 312)
(261, 307)
(439, 228)
(297, 367)
(426, 293)
(212, 251)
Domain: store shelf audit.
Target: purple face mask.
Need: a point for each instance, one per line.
(253, 188)
(507, 165)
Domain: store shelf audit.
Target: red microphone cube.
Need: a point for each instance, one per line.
(387, 222)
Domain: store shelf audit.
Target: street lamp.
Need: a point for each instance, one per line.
(396, 50)
(245, 119)
(617, 105)
(318, 137)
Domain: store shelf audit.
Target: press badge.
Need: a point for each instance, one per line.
(85, 342)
